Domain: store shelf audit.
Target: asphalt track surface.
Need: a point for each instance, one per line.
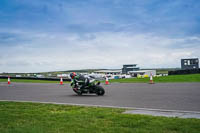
(165, 96)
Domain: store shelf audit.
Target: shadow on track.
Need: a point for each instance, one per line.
(84, 95)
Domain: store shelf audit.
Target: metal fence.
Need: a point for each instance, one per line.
(187, 71)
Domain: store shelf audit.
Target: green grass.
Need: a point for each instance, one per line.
(163, 79)
(17, 117)
(31, 81)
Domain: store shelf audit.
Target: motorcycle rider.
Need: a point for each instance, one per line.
(80, 79)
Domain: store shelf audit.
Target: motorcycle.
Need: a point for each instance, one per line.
(90, 86)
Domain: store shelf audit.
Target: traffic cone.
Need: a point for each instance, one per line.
(107, 82)
(9, 80)
(61, 81)
(151, 79)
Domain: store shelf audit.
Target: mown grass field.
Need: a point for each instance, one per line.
(18, 117)
(163, 79)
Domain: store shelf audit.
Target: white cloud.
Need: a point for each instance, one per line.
(52, 51)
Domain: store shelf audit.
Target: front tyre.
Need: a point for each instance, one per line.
(100, 90)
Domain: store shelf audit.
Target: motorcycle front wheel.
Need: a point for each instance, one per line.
(100, 90)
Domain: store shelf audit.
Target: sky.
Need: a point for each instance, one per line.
(59, 35)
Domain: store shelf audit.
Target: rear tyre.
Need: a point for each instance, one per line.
(77, 91)
(100, 90)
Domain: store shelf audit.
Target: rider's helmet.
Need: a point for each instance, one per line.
(72, 75)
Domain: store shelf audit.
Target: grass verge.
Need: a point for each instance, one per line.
(31, 81)
(163, 79)
(18, 117)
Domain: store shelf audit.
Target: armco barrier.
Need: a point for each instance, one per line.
(187, 71)
(33, 78)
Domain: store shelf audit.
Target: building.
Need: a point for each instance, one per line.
(142, 73)
(40, 76)
(129, 67)
(192, 63)
(109, 72)
(62, 75)
(18, 75)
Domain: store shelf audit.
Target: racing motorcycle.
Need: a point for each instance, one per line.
(89, 86)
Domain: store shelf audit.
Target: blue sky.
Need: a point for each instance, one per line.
(50, 35)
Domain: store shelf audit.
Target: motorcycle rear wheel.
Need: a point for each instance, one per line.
(77, 92)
